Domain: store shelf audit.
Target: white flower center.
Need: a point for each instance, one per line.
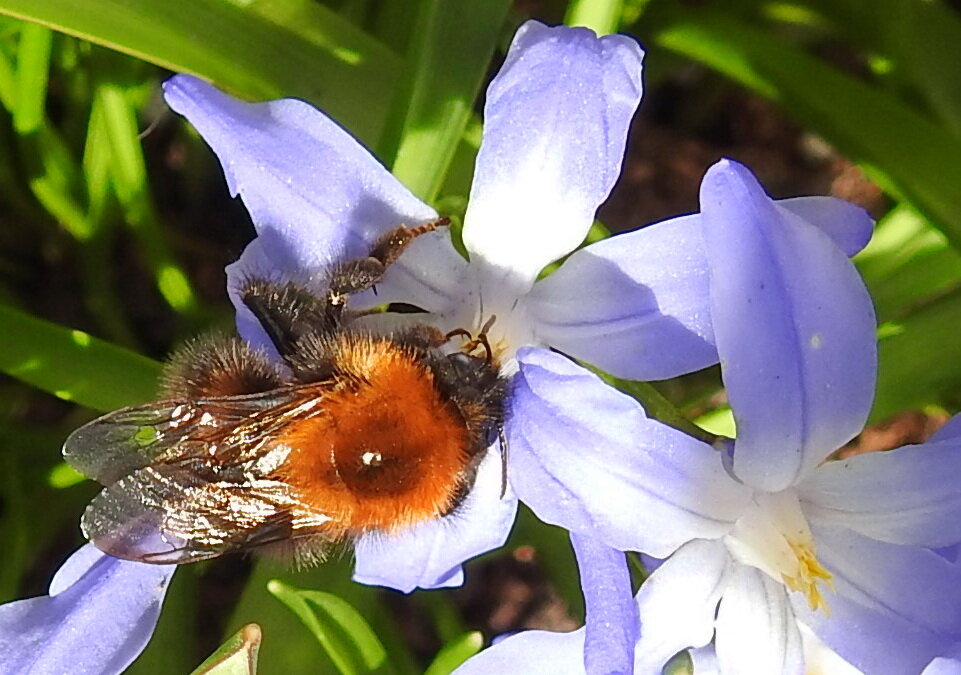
(499, 306)
(775, 538)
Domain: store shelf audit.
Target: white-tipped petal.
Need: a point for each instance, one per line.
(555, 128)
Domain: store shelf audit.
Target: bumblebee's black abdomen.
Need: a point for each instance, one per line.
(218, 365)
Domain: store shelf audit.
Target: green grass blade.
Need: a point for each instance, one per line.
(455, 653)
(8, 78)
(921, 39)
(911, 155)
(72, 364)
(908, 265)
(920, 360)
(95, 163)
(436, 100)
(28, 452)
(344, 634)
(33, 66)
(914, 276)
(601, 16)
(257, 51)
(52, 174)
(129, 173)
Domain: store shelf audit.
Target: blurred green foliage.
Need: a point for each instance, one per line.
(81, 220)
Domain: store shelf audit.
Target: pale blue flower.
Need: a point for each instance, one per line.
(555, 127)
(97, 618)
(761, 536)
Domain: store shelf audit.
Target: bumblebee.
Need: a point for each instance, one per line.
(348, 432)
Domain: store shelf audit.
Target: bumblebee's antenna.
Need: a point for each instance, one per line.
(482, 338)
(475, 342)
(457, 332)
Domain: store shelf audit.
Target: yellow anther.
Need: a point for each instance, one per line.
(811, 574)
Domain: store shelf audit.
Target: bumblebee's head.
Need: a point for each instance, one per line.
(474, 385)
(469, 375)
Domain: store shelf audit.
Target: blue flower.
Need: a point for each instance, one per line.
(98, 617)
(556, 121)
(604, 645)
(762, 536)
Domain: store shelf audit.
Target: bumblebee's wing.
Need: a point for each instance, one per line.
(168, 514)
(190, 480)
(119, 443)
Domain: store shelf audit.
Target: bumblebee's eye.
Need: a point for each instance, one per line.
(465, 366)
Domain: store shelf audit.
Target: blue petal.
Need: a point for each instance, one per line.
(314, 191)
(704, 660)
(905, 496)
(849, 226)
(948, 663)
(794, 327)
(896, 607)
(99, 617)
(315, 194)
(605, 645)
(555, 127)
(430, 554)
(756, 628)
(678, 603)
(533, 652)
(585, 457)
(612, 623)
(635, 305)
(950, 430)
(818, 658)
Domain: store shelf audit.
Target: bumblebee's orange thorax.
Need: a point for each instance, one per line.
(386, 450)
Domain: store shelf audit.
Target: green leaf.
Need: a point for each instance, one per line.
(455, 653)
(908, 265)
(52, 175)
(288, 648)
(680, 664)
(919, 361)
(601, 16)
(236, 656)
(923, 39)
(915, 279)
(73, 365)
(28, 454)
(96, 163)
(265, 49)
(129, 173)
(910, 155)
(340, 629)
(63, 476)
(444, 614)
(437, 97)
(33, 65)
(719, 422)
(655, 404)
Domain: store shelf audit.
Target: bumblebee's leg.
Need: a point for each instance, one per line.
(286, 311)
(360, 274)
(422, 336)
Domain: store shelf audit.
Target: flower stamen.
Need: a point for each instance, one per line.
(775, 538)
(810, 575)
